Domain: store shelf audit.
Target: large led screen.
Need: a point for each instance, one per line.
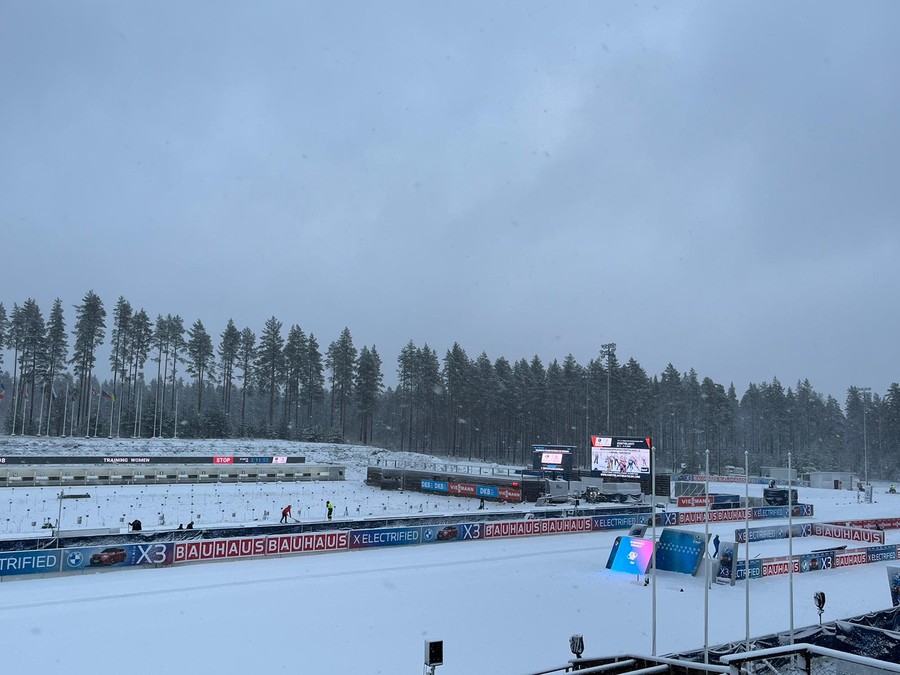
(620, 457)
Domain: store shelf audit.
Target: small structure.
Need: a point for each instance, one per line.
(835, 480)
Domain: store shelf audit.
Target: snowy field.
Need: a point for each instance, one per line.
(505, 606)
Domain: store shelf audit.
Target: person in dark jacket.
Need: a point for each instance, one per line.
(135, 525)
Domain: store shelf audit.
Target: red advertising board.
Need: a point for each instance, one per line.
(694, 500)
(525, 528)
(464, 489)
(223, 460)
(218, 549)
(509, 494)
(849, 533)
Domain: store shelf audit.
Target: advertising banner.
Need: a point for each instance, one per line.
(527, 528)
(463, 489)
(852, 557)
(726, 562)
(881, 553)
(755, 569)
(689, 501)
(439, 533)
(154, 459)
(773, 532)
(848, 533)
(29, 562)
(388, 536)
(486, 491)
(812, 562)
(435, 486)
(245, 547)
(509, 494)
(122, 555)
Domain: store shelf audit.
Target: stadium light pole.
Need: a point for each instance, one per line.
(747, 547)
(706, 565)
(653, 550)
(791, 544)
(587, 428)
(610, 349)
(865, 397)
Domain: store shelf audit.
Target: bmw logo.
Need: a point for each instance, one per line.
(428, 535)
(74, 559)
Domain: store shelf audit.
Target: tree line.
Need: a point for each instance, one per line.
(167, 379)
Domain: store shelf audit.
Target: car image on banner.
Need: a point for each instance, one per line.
(108, 556)
(126, 555)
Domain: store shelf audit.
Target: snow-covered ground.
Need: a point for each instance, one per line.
(506, 606)
(162, 507)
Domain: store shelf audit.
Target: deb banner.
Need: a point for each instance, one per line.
(29, 562)
(435, 486)
(122, 555)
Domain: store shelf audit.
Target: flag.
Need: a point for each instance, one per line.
(52, 394)
(2, 391)
(74, 393)
(94, 392)
(109, 395)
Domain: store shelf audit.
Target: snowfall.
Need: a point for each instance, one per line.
(500, 606)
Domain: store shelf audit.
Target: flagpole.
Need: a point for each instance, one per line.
(121, 400)
(15, 403)
(65, 408)
(653, 549)
(97, 419)
(50, 408)
(90, 398)
(112, 407)
(24, 413)
(72, 421)
(706, 566)
(791, 545)
(41, 415)
(747, 546)
(140, 410)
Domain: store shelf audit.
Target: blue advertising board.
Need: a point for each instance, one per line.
(487, 491)
(387, 536)
(438, 533)
(29, 562)
(122, 555)
(755, 569)
(773, 532)
(435, 485)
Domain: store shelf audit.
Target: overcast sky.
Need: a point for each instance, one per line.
(713, 185)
